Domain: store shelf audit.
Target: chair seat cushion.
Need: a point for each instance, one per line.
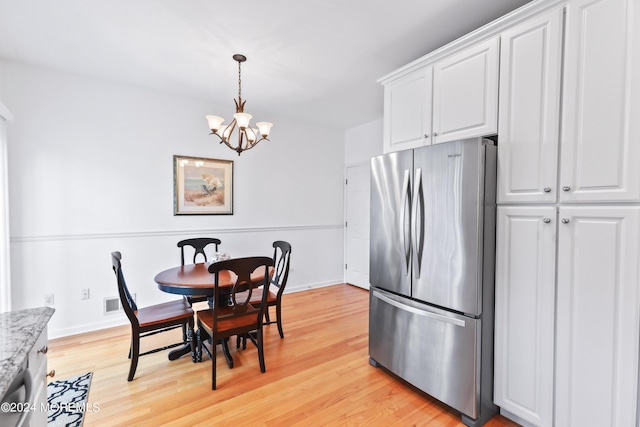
(164, 313)
(237, 323)
(256, 297)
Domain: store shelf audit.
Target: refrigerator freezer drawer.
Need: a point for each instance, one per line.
(435, 350)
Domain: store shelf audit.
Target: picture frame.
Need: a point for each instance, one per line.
(202, 186)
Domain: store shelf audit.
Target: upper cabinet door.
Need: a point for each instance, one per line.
(465, 93)
(601, 130)
(530, 73)
(407, 111)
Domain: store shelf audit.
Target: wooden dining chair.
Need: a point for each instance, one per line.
(198, 244)
(240, 317)
(279, 277)
(151, 320)
(281, 256)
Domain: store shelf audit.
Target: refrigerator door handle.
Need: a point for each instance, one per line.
(418, 223)
(419, 312)
(406, 222)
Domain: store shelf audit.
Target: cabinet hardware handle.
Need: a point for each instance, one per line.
(566, 188)
(52, 373)
(435, 134)
(546, 220)
(547, 189)
(44, 350)
(565, 220)
(426, 135)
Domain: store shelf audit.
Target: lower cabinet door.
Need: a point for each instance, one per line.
(38, 372)
(525, 312)
(598, 316)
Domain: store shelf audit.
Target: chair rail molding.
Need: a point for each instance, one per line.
(162, 233)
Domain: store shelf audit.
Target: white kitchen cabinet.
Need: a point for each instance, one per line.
(465, 93)
(597, 316)
(600, 147)
(450, 99)
(407, 111)
(37, 366)
(529, 114)
(525, 312)
(596, 319)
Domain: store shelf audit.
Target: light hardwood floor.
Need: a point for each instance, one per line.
(318, 375)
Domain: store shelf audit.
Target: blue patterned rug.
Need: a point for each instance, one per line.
(68, 401)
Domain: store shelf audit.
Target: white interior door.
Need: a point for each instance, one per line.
(357, 225)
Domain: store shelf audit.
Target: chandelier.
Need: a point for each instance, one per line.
(248, 137)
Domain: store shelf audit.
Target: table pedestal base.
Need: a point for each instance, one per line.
(189, 347)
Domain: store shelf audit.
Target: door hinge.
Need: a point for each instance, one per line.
(345, 224)
(345, 266)
(346, 182)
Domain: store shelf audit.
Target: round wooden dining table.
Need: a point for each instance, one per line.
(195, 279)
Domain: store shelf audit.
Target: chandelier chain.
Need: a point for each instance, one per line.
(239, 81)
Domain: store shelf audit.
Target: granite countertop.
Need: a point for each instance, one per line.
(19, 331)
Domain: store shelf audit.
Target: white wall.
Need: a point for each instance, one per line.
(363, 142)
(91, 171)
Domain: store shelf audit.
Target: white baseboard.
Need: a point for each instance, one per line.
(119, 319)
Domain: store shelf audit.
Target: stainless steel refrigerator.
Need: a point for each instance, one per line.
(432, 271)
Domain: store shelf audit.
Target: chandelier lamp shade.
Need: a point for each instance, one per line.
(247, 137)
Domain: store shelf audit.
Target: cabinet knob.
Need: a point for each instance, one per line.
(547, 189)
(565, 220)
(44, 350)
(546, 220)
(435, 134)
(566, 188)
(52, 373)
(426, 135)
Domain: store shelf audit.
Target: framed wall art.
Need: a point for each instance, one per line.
(202, 186)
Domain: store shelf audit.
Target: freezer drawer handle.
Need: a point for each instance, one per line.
(456, 322)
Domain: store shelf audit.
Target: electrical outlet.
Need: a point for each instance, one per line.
(48, 299)
(84, 294)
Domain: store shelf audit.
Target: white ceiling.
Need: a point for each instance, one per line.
(308, 59)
